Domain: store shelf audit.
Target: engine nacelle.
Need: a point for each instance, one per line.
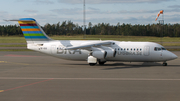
(111, 53)
(99, 54)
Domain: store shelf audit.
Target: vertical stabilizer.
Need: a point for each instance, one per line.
(32, 31)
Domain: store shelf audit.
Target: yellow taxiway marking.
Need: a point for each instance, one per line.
(3, 61)
(14, 63)
(18, 63)
(1, 91)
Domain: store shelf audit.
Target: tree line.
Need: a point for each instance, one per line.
(69, 28)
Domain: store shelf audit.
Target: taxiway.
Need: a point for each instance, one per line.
(32, 76)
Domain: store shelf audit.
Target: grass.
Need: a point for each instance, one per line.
(171, 44)
(167, 41)
(173, 49)
(13, 45)
(15, 39)
(12, 39)
(118, 38)
(15, 50)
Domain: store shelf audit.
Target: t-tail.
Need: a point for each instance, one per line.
(32, 31)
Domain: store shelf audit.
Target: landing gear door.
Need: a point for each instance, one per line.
(146, 50)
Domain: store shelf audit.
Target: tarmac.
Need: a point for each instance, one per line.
(33, 76)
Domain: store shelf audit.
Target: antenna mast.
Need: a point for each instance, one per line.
(84, 20)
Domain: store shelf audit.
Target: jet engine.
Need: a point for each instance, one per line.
(111, 53)
(99, 54)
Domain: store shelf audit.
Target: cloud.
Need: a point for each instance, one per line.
(19, 0)
(3, 12)
(77, 11)
(174, 6)
(31, 11)
(136, 11)
(67, 11)
(110, 1)
(173, 19)
(91, 10)
(44, 2)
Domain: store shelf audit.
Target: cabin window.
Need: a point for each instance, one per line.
(140, 49)
(155, 48)
(124, 48)
(134, 49)
(127, 48)
(131, 49)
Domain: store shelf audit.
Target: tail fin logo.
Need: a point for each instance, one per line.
(31, 30)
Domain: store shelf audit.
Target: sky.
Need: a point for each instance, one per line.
(97, 11)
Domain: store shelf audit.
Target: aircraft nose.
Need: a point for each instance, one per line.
(173, 56)
(169, 56)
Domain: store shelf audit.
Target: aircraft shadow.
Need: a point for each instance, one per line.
(127, 66)
(76, 64)
(124, 65)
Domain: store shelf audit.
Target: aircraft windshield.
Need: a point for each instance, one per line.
(163, 48)
(159, 48)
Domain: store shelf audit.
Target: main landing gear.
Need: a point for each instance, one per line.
(93, 61)
(101, 62)
(92, 64)
(164, 63)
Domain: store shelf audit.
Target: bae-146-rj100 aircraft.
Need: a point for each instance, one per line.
(92, 51)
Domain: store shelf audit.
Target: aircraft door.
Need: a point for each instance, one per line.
(161, 53)
(53, 49)
(146, 50)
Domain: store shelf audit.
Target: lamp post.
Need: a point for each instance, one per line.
(84, 19)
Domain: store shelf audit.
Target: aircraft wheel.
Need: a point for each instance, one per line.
(102, 63)
(92, 64)
(164, 64)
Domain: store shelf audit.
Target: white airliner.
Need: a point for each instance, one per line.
(92, 51)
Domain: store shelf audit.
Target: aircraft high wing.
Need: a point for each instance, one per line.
(92, 51)
(88, 46)
(97, 50)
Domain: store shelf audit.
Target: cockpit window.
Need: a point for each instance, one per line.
(163, 48)
(159, 48)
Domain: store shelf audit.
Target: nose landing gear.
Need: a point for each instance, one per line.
(164, 63)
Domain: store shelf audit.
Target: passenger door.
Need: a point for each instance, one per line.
(146, 50)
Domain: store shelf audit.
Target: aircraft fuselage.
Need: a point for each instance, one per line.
(125, 51)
